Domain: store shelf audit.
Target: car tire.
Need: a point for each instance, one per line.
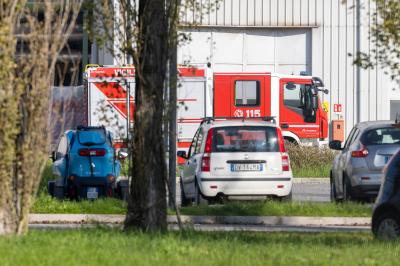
(184, 201)
(387, 226)
(198, 198)
(286, 198)
(347, 190)
(333, 190)
(50, 188)
(59, 192)
(123, 189)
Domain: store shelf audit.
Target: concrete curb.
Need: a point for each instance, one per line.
(187, 219)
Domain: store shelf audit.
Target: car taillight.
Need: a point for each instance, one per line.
(363, 152)
(285, 162)
(205, 161)
(281, 140)
(92, 152)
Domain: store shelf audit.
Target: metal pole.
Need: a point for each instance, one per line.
(128, 108)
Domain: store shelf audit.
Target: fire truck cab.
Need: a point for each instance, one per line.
(292, 100)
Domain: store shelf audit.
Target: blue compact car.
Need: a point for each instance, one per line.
(87, 166)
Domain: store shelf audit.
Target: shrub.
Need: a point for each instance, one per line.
(308, 161)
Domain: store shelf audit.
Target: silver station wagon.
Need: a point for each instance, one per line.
(357, 170)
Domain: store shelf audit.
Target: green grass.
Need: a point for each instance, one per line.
(112, 247)
(319, 171)
(46, 204)
(275, 208)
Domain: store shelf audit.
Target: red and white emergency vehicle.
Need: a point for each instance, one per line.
(292, 100)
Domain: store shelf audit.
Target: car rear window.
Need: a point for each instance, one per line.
(382, 136)
(245, 139)
(92, 137)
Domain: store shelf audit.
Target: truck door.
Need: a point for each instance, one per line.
(297, 112)
(242, 95)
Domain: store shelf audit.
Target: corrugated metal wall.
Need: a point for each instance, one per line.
(338, 28)
(270, 13)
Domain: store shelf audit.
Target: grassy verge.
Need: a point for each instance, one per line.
(112, 247)
(46, 204)
(274, 208)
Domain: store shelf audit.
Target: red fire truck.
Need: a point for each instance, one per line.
(292, 100)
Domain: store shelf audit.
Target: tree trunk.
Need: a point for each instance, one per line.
(147, 208)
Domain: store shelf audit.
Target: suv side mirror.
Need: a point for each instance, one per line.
(182, 154)
(122, 155)
(335, 145)
(53, 156)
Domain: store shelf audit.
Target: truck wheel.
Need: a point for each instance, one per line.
(50, 188)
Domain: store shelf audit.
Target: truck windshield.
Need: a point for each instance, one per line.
(245, 139)
(92, 137)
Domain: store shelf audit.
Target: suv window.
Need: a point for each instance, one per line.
(194, 142)
(245, 139)
(247, 93)
(62, 147)
(92, 137)
(349, 138)
(382, 136)
(199, 142)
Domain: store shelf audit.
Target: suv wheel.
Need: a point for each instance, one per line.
(333, 189)
(184, 200)
(387, 226)
(286, 198)
(347, 191)
(198, 198)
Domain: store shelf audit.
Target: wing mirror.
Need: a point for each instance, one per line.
(314, 102)
(335, 145)
(182, 154)
(53, 156)
(122, 155)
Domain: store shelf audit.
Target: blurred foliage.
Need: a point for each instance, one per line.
(385, 36)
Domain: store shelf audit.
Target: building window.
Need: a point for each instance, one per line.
(247, 93)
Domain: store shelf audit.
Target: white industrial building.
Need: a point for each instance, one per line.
(290, 36)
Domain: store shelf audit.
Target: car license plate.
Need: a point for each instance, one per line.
(246, 167)
(92, 193)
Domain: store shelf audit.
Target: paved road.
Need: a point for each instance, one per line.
(311, 189)
(304, 189)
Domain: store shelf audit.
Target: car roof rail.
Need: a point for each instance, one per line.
(81, 127)
(207, 120)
